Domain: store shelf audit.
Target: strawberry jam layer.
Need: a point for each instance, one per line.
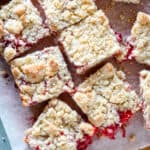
(119, 37)
(37, 148)
(130, 49)
(111, 131)
(125, 116)
(82, 144)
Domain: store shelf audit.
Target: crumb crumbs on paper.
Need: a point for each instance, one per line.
(122, 17)
(4, 74)
(132, 138)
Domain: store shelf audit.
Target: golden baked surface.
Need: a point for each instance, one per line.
(104, 94)
(41, 75)
(61, 14)
(20, 27)
(90, 42)
(58, 127)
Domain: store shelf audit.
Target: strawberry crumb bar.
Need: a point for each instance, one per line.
(106, 98)
(59, 128)
(41, 75)
(20, 27)
(90, 42)
(63, 13)
(129, 1)
(145, 90)
(140, 35)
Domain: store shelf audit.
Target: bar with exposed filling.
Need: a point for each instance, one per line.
(140, 35)
(145, 91)
(59, 128)
(63, 13)
(90, 42)
(41, 75)
(106, 98)
(20, 27)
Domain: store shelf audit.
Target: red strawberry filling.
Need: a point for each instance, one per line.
(125, 116)
(119, 37)
(37, 148)
(130, 49)
(110, 131)
(82, 144)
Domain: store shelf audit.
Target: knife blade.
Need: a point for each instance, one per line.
(4, 142)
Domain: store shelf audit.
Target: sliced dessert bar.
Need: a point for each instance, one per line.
(145, 91)
(59, 128)
(89, 42)
(106, 98)
(41, 75)
(20, 27)
(129, 1)
(140, 35)
(63, 13)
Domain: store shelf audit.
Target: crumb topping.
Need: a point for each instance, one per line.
(145, 91)
(141, 34)
(104, 94)
(58, 127)
(41, 75)
(90, 42)
(20, 21)
(61, 14)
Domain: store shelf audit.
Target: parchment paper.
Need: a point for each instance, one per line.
(17, 118)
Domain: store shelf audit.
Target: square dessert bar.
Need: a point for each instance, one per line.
(129, 1)
(20, 27)
(41, 75)
(59, 128)
(90, 42)
(140, 35)
(145, 91)
(106, 98)
(63, 13)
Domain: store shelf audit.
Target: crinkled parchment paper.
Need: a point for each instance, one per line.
(16, 118)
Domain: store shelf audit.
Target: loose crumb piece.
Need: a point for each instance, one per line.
(132, 138)
(4, 74)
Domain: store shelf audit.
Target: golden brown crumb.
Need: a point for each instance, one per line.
(4, 73)
(132, 138)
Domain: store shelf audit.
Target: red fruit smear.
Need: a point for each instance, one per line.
(48, 143)
(31, 119)
(125, 116)
(79, 66)
(37, 148)
(96, 131)
(109, 131)
(123, 131)
(45, 87)
(33, 103)
(119, 37)
(61, 133)
(130, 50)
(82, 144)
